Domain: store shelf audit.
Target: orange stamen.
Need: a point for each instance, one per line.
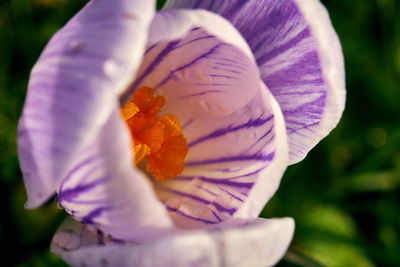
(159, 139)
(169, 160)
(147, 104)
(129, 110)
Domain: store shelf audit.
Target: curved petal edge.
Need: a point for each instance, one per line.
(300, 61)
(259, 242)
(332, 63)
(73, 88)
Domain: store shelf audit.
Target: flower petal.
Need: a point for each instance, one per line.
(72, 88)
(105, 191)
(233, 168)
(332, 64)
(259, 242)
(199, 70)
(300, 60)
(233, 126)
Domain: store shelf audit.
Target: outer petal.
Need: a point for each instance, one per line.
(259, 242)
(331, 60)
(105, 191)
(73, 87)
(300, 60)
(233, 126)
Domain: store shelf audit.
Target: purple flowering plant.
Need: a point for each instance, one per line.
(254, 85)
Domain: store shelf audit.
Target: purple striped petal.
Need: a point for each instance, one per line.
(200, 73)
(233, 167)
(300, 61)
(104, 190)
(234, 128)
(72, 88)
(257, 242)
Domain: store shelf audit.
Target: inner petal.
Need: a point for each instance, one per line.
(226, 158)
(214, 90)
(199, 74)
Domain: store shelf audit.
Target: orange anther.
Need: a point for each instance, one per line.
(159, 139)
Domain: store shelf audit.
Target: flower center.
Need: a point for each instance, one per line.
(158, 139)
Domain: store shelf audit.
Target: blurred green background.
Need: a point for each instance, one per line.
(344, 196)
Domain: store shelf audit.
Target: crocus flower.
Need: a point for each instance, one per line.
(223, 102)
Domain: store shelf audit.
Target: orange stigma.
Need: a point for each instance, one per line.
(158, 139)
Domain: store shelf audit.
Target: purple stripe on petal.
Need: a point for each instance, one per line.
(150, 48)
(159, 58)
(223, 76)
(201, 93)
(195, 40)
(302, 93)
(253, 173)
(226, 182)
(194, 61)
(210, 84)
(280, 49)
(259, 157)
(206, 190)
(228, 70)
(71, 193)
(292, 131)
(231, 61)
(195, 29)
(216, 216)
(83, 163)
(286, 75)
(230, 65)
(223, 209)
(186, 124)
(100, 237)
(229, 193)
(222, 181)
(311, 108)
(96, 202)
(191, 217)
(202, 200)
(88, 219)
(220, 132)
(179, 193)
(265, 134)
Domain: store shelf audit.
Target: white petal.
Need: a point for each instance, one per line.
(231, 176)
(73, 88)
(300, 60)
(105, 191)
(332, 63)
(259, 242)
(229, 120)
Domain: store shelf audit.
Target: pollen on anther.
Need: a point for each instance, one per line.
(158, 139)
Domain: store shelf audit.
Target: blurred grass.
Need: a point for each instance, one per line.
(344, 196)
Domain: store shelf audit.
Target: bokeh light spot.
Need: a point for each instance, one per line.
(376, 137)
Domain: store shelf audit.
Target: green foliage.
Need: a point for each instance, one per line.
(344, 196)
